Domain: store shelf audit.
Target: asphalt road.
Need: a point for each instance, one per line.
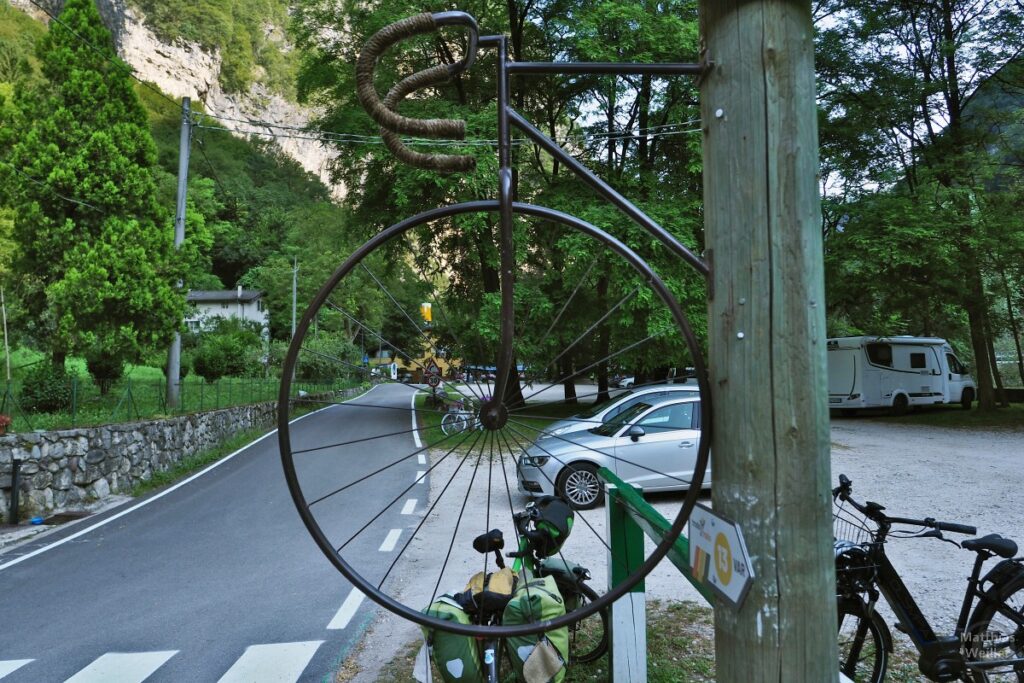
(215, 580)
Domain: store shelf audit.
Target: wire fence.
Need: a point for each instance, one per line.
(86, 403)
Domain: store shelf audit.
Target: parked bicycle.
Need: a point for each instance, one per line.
(462, 415)
(987, 643)
(541, 529)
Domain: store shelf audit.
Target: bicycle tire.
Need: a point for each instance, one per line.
(588, 638)
(996, 632)
(864, 644)
(454, 423)
(296, 444)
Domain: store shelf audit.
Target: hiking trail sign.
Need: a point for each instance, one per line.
(718, 555)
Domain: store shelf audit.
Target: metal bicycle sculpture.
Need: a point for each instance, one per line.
(349, 467)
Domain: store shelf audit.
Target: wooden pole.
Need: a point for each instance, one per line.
(766, 329)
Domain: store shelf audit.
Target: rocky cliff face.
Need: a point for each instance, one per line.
(183, 69)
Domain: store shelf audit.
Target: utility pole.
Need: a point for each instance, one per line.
(766, 336)
(184, 148)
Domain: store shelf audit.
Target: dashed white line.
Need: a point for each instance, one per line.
(279, 662)
(125, 667)
(421, 459)
(12, 665)
(409, 507)
(347, 610)
(420, 476)
(390, 541)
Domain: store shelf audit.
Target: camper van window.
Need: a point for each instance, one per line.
(954, 365)
(917, 361)
(880, 354)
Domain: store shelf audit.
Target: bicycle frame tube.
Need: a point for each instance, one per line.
(506, 116)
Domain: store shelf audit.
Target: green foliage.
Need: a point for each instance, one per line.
(239, 29)
(46, 389)
(321, 362)
(97, 273)
(230, 349)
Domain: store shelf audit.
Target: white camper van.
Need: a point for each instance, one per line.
(896, 373)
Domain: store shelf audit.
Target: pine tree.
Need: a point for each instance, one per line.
(96, 248)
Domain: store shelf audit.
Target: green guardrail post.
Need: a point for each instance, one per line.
(628, 613)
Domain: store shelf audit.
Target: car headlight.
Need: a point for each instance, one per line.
(535, 460)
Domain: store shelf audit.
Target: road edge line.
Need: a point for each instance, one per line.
(174, 487)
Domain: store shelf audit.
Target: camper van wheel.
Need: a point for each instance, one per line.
(900, 405)
(966, 399)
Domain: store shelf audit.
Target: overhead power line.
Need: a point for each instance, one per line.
(42, 184)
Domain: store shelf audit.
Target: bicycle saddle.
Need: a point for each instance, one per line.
(993, 543)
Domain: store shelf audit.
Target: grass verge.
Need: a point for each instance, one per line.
(196, 462)
(680, 649)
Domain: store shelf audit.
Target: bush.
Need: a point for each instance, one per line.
(329, 356)
(231, 349)
(46, 389)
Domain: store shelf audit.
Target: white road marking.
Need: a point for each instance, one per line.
(278, 662)
(421, 459)
(122, 667)
(415, 427)
(390, 541)
(346, 611)
(12, 665)
(409, 507)
(160, 495)
(420, 476)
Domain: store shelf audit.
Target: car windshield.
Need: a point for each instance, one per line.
(613, 425)
(595, 409)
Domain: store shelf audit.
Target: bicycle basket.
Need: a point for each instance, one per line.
(854, 551)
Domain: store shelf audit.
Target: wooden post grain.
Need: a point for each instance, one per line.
(766, 329)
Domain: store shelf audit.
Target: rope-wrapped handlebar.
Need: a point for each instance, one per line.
(383, 112)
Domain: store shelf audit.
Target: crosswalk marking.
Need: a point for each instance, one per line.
(347, 610)
(409, 507)
(122, 667)
(390, 541)
(12, 665)
(278, 662)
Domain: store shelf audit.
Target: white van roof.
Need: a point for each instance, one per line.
(857, 342)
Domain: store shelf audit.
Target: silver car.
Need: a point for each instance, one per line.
(601, 413)
(651, 445)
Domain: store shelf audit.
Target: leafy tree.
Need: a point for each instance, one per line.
(95, 244)
(903, 115)
(460, 254)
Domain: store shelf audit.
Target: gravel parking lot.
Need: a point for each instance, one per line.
(968, 476)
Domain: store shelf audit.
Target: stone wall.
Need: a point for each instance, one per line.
(68, 468)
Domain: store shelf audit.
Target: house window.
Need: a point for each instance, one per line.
(917, 361)
(880, 354)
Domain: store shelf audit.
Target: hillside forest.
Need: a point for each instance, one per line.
(921, 122)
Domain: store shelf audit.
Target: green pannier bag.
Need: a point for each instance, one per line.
(537, 658)
(456, 656)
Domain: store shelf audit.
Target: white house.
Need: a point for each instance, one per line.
(242, 304)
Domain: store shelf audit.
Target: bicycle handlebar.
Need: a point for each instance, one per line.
(874, 512)
(383, 112)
